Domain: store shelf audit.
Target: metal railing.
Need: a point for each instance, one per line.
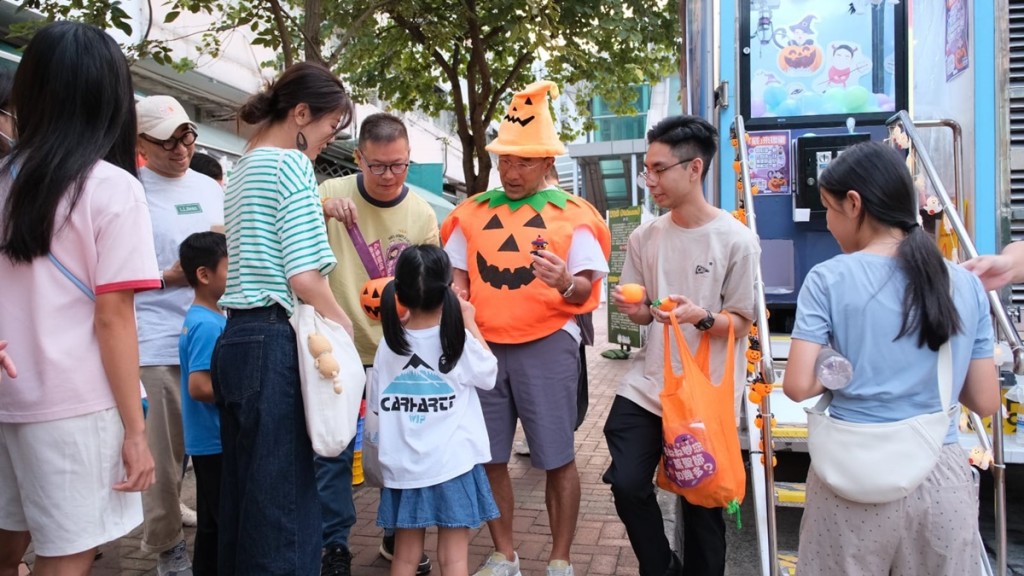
(767, 362)
(901, 118)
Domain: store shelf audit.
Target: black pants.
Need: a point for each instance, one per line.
(634, 441)
(204, 556)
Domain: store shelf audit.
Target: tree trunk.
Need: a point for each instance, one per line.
(313, 18)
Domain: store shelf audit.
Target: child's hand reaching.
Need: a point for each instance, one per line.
(6, 363)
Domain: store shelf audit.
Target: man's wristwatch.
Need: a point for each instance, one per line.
(706, 322)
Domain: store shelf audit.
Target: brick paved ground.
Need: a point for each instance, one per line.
(600, 547)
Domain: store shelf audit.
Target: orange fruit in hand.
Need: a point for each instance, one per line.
(632, 293)
(666, 305)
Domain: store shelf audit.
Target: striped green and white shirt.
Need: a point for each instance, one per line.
(275, 228)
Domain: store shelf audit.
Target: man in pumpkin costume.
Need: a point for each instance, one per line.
(703, 260)
(530, 257)
(390, 218)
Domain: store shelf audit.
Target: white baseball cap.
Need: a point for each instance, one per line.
(160, 116)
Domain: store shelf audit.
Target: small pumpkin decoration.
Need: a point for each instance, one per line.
(369, 297)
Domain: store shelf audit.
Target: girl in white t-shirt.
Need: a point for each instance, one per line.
(432, 434)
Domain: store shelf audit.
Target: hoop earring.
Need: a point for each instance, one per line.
(300, 141)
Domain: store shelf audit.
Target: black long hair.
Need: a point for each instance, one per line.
(423, 279)
(75, 106)
(880, 175)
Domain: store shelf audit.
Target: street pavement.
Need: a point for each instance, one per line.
(601, 546)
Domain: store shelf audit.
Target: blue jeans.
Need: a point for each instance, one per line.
(269, 515)
(334, 484)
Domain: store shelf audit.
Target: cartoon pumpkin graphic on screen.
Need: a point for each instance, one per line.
(500, 232)
(801, 54)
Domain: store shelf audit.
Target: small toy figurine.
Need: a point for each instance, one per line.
(980, 458)
(539, 244)
(321, 349)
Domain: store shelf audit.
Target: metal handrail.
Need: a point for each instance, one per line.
(767, 362)
(958, 162)
(1005, 326)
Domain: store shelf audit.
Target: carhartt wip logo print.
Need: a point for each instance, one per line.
(184, 209)
(702, 269)
(417, 391)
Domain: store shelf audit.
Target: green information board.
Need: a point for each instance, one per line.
(621, 222)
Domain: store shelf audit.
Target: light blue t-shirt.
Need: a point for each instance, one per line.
(854, 303)
(195, 348)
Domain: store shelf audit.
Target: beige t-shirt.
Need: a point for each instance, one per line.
(713, 265)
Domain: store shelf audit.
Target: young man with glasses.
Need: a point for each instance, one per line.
(390, 217)
(703, 259)
(530, 258)
(181, 202)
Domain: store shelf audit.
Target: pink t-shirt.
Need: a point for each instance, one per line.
(108, 244)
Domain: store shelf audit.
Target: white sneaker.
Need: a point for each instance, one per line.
(498, 565)
(174, 562)
(521, 448)
(188, 516)
(559, 568)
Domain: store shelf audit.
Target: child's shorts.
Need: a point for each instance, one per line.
(56, 482)
(462, 502)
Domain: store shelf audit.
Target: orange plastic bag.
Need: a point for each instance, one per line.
(701, 458)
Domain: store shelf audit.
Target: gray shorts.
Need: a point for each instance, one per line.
(931, 532)
(537, 384)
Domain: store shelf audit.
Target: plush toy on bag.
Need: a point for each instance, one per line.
(701, 458)
(326, 364)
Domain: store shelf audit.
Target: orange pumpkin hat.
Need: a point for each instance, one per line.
(527, 129)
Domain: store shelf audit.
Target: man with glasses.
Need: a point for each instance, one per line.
(385, 217)
(181, 202)
(703, 260)
(530, 257)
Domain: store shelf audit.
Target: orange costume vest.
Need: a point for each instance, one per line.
(512, 306)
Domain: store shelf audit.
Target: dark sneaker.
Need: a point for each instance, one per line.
(336, 561)
(387, 551)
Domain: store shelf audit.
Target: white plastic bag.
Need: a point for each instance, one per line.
(332, 380)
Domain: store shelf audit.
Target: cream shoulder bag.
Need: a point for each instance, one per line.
(872, 463)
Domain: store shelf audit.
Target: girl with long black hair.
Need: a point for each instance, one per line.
(432, 434)
(75, 246)
(888, 304)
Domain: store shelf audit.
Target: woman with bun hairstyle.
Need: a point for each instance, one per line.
(277, 247)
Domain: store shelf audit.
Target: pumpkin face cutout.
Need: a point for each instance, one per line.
(517, 112)
(503, 259)
(369, 298)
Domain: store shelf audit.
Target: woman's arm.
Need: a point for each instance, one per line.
(980, 393)
(313, 289)
(119, 352)
(800, 382)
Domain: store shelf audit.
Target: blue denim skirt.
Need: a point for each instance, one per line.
(465, 501)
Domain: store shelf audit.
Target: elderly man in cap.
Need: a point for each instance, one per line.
(181, 201)
(530, 257)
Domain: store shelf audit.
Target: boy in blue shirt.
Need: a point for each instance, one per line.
(204, 259)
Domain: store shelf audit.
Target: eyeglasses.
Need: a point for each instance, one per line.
(187, 139)
(504, 164)
(379, 169)
(653, 176)
(8, 114)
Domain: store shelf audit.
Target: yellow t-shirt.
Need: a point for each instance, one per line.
(388, 228)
